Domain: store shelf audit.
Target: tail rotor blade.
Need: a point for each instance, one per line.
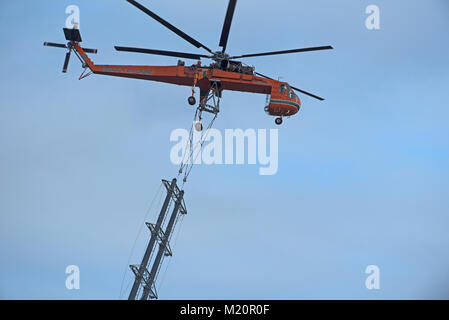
(87, 50)
(66, 62)
(56, 45)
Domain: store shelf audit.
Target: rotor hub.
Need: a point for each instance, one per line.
(220, 56)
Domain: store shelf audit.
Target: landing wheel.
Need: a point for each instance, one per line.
(278, 121)
(191, 100)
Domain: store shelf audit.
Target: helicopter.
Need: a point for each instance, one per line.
(226, 72)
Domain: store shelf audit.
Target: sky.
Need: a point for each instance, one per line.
(362, 178)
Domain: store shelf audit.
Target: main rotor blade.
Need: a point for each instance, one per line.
(308, 93)
(56, 45)
(284, 52)
(163, 53)
(169, 25)
(264, 76)
(227, 24)
(66, 61)
(302, 91)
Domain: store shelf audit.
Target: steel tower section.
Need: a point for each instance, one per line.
(146, 279)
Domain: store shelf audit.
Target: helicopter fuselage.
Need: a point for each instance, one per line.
(282, 101)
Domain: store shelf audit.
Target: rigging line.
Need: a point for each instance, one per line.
(174, 226)
(156, 212)
(163, 258)
(173, 249)
(159, 205)
(161, 226)
(165, 216)
(178, 231)
(127, 286)
(159, 268)
(178, 217)
(200, 144)
(163, 275)
(202, 140)
(186, 153)
(191, 146)
(135, 241)
(170, 203)
(184, 161)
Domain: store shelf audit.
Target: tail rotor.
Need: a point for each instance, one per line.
(66, 62)
(72, 36)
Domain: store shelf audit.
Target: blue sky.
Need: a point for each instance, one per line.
(362, 180)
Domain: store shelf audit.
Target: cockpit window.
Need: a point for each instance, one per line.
(293, 94)
(283, 88)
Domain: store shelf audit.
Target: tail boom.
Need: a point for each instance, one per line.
(181, 75)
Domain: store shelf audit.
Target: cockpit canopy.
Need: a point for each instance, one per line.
(286, 90)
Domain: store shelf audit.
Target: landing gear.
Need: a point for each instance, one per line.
(278, 121)
(210, 99)
(191, 100)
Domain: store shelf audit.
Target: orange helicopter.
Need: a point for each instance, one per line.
(225, 73)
